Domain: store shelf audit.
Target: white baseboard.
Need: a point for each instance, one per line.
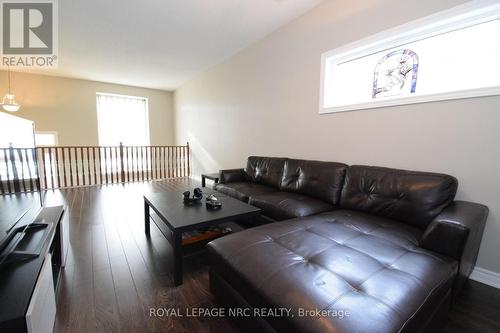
(485, 276)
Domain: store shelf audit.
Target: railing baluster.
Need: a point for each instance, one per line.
(44, 168)
(100, 165)
(148, 161)
(176, 162)
(132, 166)
(111, 168)
(165, 162)
(183, 160)
(145, 162)
(51, 168)
(117, 165)
(128, 163)
(151, 163)
(111, 176)
(75, 165)
(122, 171)
(89, 172)
(162, 163)
(7, 170)
(64, 166)
(57, 166)
(160, 160)
(94, 165)
(180, 161)
(168, 162)
(70, 167)
(156, 164)
(15, 176)
(183, 166)
(113, 164)
(127, 151)
(142, 163)
(106, 164)
(27, 154)
(170, 156)
(22, 181)
(79, 160)
(136, 162)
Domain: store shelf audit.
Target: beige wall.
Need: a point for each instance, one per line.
(264, 101)
(68, 106)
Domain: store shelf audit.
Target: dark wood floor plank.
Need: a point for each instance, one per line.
(115, 274)
(99, 247)
(105, 302)
(131, 313)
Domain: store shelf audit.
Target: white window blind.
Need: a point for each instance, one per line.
(122, 119)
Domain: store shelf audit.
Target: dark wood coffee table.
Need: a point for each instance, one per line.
(179, 218)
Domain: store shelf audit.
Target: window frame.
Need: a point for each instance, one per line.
(148, 125)
(449, 20)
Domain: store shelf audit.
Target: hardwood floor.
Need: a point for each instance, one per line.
(114, 274)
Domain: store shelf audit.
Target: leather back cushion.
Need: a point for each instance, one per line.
(407, 196)
(321, 180)
(265, 170)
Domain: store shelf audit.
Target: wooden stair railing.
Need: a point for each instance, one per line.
(70, 166)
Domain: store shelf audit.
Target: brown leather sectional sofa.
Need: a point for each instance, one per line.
(374, 249)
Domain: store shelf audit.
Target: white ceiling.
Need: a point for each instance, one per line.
(161, 43)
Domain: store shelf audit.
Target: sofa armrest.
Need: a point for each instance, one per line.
(457, 233)
(232, 175)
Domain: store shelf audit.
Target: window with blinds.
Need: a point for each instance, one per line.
(122, 119)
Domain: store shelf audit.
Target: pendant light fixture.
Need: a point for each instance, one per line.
(9, 102)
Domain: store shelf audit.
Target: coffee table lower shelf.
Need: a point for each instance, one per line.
(155, 210)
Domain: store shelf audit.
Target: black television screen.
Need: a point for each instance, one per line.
(20, 198)
(17, 209)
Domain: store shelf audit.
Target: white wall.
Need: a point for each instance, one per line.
(264, 101)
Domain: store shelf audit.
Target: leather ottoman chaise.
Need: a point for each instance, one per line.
(387, 249)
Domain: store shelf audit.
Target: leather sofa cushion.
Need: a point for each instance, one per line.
(265, 170)
(408, 196)
(285, 205)
(339, 261)
(321, 180)
(243, 190)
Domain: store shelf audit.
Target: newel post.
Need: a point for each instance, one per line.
(188, 152)
(122, 174)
